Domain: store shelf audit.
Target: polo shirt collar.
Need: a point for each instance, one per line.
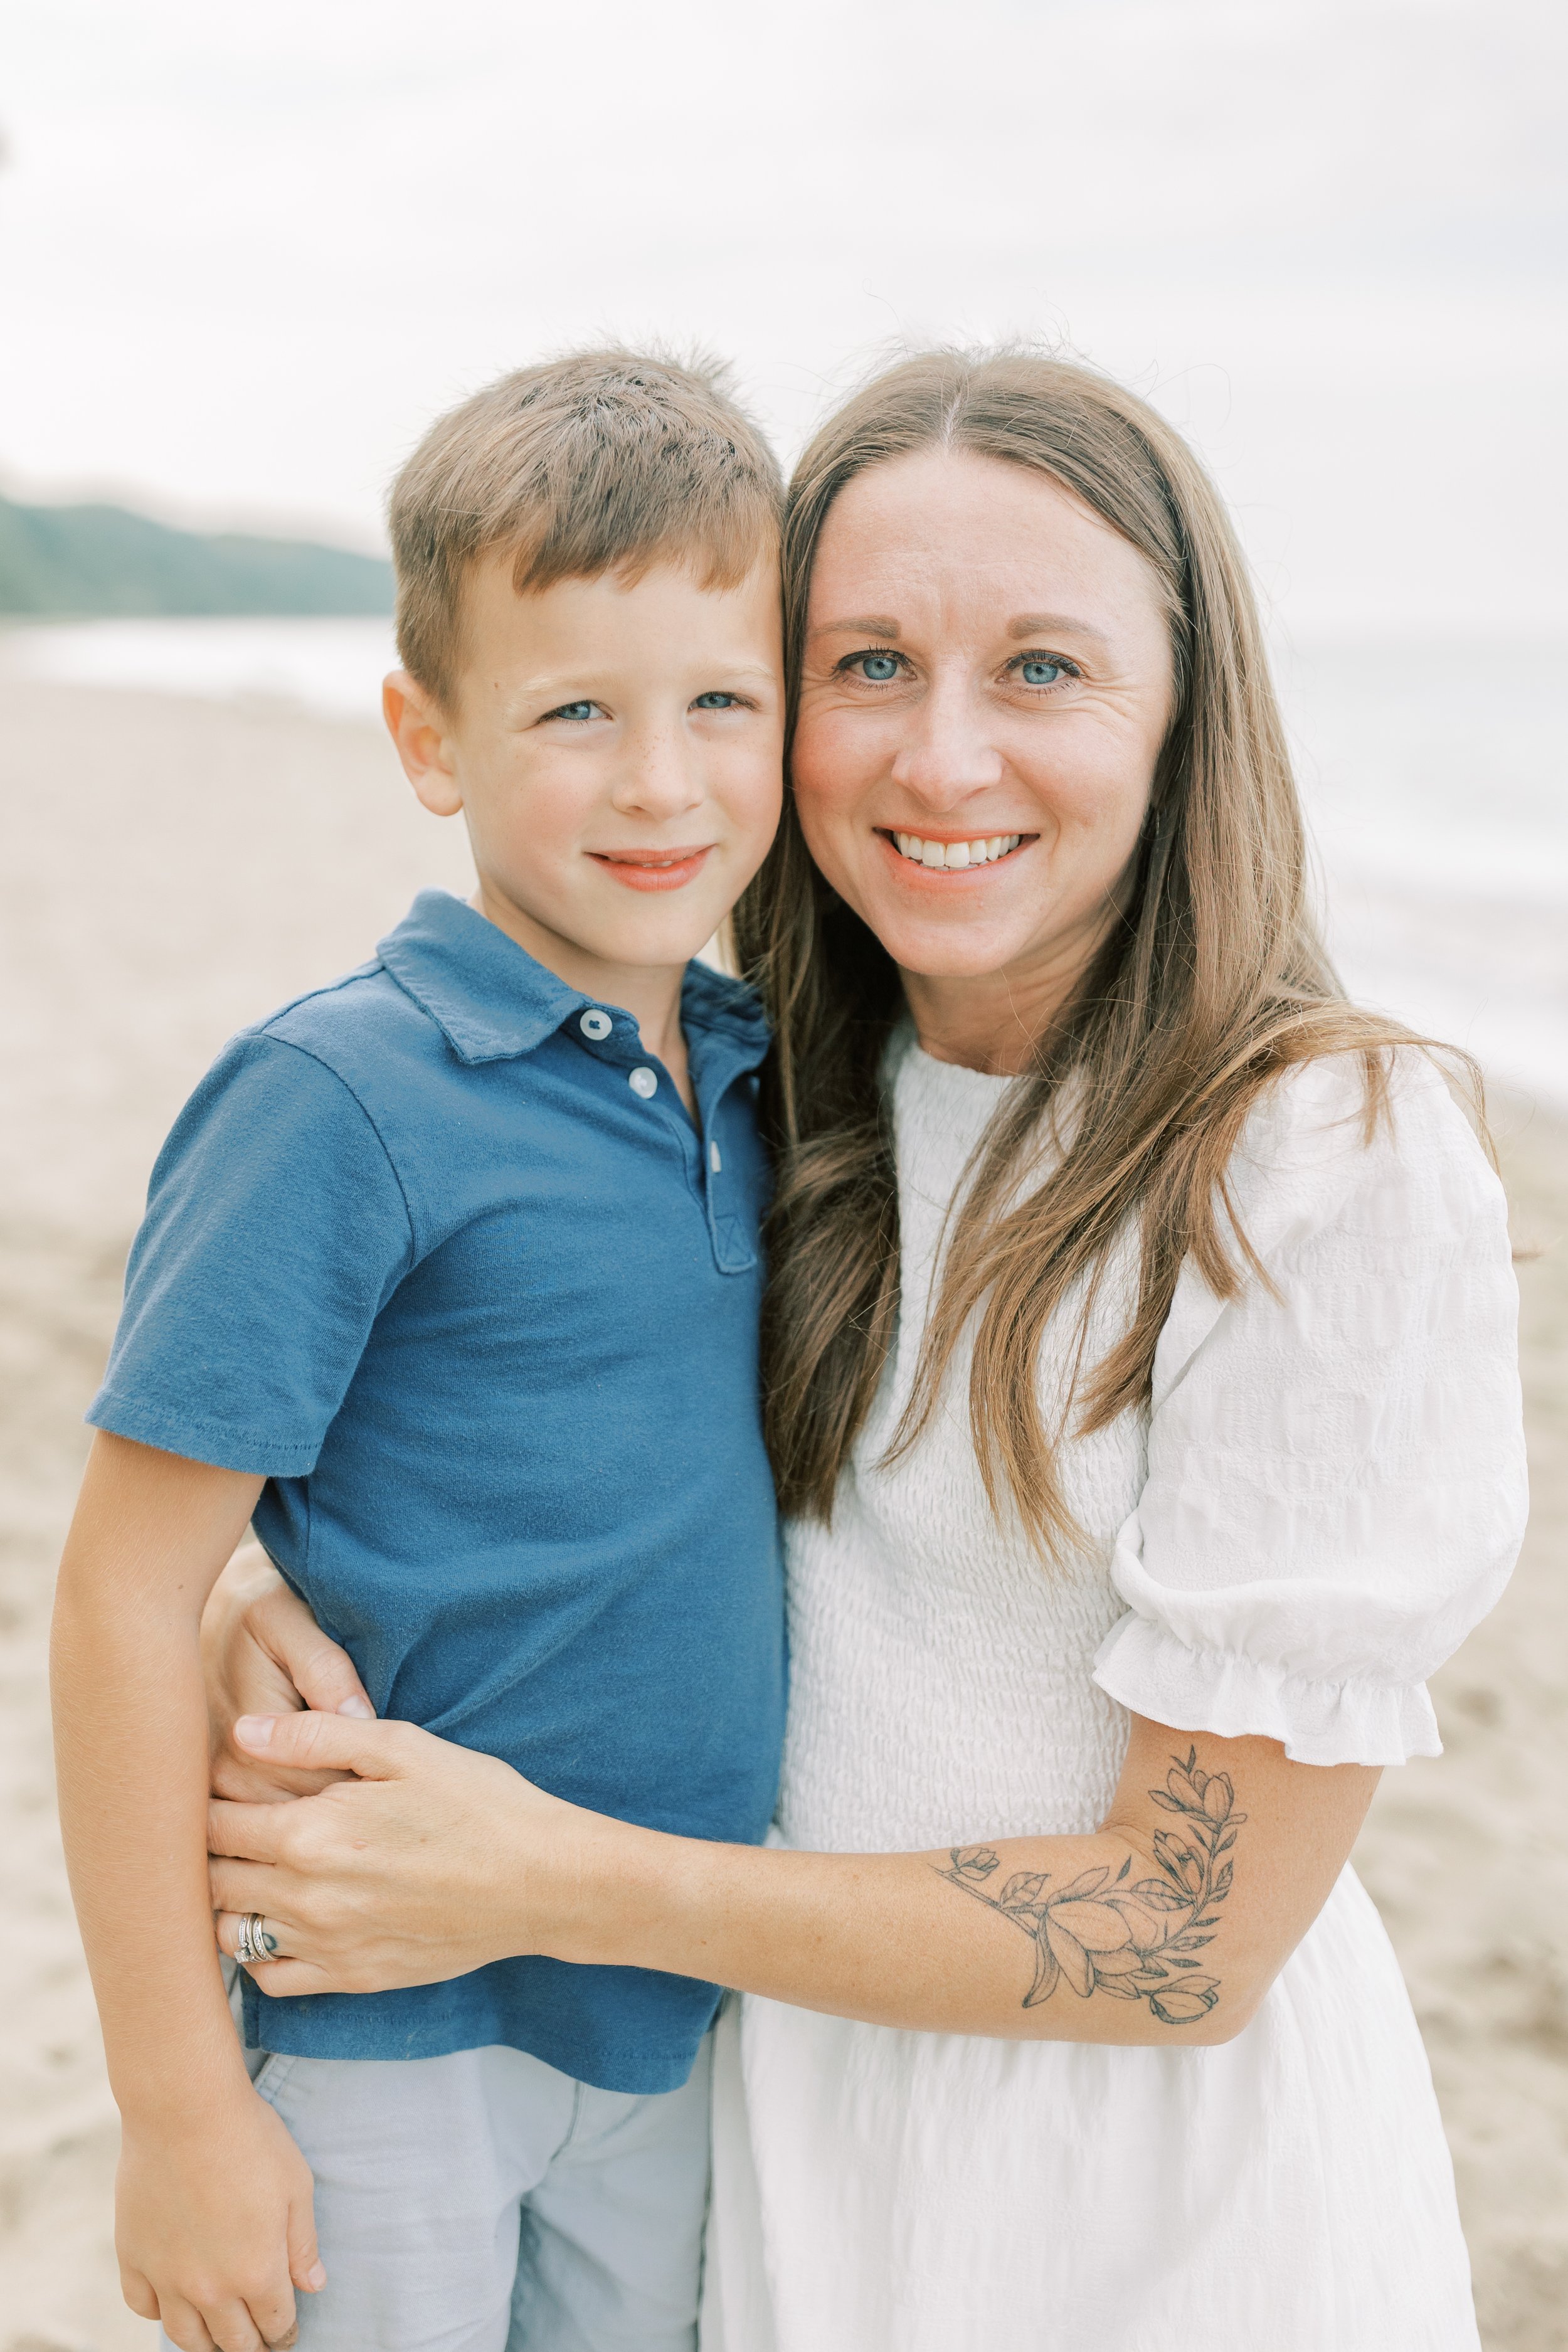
(492, 1001)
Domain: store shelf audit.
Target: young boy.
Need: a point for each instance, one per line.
(449, 1278)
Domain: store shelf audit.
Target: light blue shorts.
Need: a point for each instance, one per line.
(485, 2203)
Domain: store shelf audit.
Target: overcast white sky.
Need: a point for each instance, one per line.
(245, 255)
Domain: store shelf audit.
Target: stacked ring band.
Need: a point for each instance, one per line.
(252, 1941)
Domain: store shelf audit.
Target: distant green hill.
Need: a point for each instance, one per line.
(93, 561)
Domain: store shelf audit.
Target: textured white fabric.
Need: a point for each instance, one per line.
(1325, 1495)
(1335, 1487)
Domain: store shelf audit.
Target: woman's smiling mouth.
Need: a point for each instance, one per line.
(948, 856)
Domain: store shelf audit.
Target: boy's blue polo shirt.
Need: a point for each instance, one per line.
(438, 1251)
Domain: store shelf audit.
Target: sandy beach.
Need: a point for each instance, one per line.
(169, 870)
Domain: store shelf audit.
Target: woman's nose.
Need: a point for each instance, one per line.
(946, 753)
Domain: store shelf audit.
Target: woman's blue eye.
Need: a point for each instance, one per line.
(877, 667)
(1037, 669)
(715, 702)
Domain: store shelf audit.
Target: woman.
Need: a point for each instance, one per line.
(1142, 1391)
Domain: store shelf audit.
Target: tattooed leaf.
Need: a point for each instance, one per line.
(1123, 1871)
(1089, 1881)
(1117, 1987)
(1155, 1895)
(1024, 1887)
(1226, 1843)
(1070, 1956)
(1222, 1879)
(1168, 1804)
(1177, 1962)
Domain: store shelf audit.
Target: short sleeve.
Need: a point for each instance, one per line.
(1336, 1484)
(276, 1228)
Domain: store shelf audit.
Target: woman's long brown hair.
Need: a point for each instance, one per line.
(1212, 983)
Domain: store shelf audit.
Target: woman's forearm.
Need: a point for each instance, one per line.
(1168, 1922)
(954, 1942)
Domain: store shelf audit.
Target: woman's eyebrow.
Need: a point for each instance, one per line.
(865, 624)
(1031, 625)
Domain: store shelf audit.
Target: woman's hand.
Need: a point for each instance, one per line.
(430, 1861)
(264, 1653)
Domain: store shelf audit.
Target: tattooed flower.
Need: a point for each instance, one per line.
(1127, 1941)
(1097, 1927)
(1181, 1862)
(1187, 1784)
(974, 1861)
(1046, 1971)
(1184, 2004)
(1126, 1962)
(1068, 1955)
(1152, 1911)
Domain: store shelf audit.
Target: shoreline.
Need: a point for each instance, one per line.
(171, 869)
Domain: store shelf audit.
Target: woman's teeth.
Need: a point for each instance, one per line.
(955, 854)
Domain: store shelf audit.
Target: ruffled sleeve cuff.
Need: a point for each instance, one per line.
(1153, 1674)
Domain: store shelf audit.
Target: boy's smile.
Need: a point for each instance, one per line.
(653, 869)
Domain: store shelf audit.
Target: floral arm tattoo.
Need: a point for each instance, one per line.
(1133, 1942)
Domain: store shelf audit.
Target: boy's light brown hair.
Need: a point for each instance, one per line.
(606, 461)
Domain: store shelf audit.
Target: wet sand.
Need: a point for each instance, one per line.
(170, 870)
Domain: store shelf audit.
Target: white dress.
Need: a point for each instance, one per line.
(1325, 1495)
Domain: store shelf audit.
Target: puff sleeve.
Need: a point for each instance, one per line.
(1336, 1483)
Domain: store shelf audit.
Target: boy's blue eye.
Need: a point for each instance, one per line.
(1038, 669)
(578, 711)
(716, 701)
(877, 667)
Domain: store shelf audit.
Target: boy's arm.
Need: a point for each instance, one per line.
(214, 2225)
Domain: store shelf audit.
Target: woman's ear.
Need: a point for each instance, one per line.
(421, 731)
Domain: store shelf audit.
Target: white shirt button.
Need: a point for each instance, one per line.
(595, 1024)
(644, 1081)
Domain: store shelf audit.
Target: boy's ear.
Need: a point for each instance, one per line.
(418, 726)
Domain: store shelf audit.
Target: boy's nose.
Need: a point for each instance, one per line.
(661, 777)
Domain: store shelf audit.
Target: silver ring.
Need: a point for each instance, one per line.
(251, 1940)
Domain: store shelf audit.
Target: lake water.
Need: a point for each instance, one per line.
(1435, 775)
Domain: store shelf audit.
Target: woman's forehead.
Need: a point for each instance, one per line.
(942, 523)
